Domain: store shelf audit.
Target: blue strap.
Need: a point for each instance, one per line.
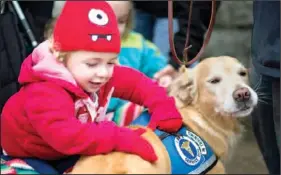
(41, 166)
(64, 164)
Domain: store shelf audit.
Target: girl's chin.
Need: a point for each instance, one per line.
(92, 88)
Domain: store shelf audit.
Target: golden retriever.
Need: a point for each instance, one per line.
(210, 98)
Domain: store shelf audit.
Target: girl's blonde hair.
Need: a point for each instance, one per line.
(61, 56)
(48, 35)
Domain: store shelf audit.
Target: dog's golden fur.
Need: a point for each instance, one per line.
(203, 111)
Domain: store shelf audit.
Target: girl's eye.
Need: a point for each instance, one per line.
(111, 63)
(91, 64)
(122, 21)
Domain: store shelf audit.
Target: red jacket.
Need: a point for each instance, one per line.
(41, 119)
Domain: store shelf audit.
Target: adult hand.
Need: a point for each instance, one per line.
(165, 76)
(166, 71)
(165, 81)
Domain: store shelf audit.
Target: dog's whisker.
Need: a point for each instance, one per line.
(261, 100)
(259, 89)
(264, 99)
(262, 93)
(264, 96)
(265, 102)
(259, 82)
(257, 85)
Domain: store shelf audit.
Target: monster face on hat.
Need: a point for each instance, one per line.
(87, 25)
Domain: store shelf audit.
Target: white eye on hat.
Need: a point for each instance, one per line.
(98, 17)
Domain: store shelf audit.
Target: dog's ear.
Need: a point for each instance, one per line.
(182, 88)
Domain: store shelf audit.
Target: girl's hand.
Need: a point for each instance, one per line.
(130, 141)
(166, 116)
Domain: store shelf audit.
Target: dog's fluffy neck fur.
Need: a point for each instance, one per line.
(221, 132)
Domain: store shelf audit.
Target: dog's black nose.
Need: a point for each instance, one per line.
(241, 94)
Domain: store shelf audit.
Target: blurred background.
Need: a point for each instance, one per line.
(232, 31)
(231, 36)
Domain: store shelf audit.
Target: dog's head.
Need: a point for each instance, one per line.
(216, 85)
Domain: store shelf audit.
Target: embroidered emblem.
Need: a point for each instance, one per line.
(186, 145)
(191, 148)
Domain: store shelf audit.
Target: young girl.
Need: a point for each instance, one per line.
(66, 86)
(136, 52)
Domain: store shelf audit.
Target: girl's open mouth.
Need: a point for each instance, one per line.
(96, 84)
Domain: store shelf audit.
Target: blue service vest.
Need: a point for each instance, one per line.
(189, 153)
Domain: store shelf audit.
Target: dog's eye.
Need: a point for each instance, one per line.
(215, 80)
(243, 73)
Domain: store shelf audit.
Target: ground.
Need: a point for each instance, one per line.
(247, 158)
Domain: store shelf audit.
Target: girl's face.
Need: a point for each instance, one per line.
(91, 70)
(121, 10)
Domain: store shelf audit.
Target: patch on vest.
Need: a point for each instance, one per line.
(190, 148)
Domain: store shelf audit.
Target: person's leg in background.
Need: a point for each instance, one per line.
(161, 34)
(263, 120)
(201, 14)
(144, 23)
(204, 17)
(265, 79)
(276, 109)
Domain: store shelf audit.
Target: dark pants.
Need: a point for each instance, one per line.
(266, 119)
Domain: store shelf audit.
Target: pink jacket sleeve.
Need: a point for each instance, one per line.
(134, 86)
(50, 110)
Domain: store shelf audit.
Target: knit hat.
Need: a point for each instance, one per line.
(87, 25)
